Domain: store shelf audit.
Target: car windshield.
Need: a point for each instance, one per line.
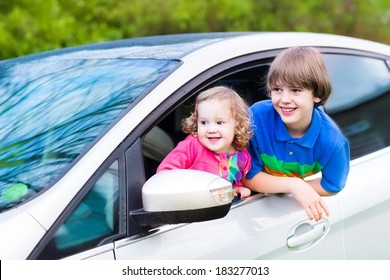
(52, 110)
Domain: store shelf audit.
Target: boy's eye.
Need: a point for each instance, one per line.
(277, 89)
(296, 91)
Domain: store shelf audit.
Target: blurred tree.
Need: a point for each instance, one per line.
(28, 26)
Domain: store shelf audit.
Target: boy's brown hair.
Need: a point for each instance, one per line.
(300, 67)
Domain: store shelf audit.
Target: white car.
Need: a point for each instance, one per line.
(83, 130)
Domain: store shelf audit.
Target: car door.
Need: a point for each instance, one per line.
(258, 227)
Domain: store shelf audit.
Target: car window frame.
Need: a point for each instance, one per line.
(212, 76)
(190, 89)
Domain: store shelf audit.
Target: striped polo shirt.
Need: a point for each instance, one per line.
(322, 149)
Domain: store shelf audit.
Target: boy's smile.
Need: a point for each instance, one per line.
(287, 110)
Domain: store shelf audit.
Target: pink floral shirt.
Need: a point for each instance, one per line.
(191, 154)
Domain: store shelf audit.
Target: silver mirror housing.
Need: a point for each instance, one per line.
(180, 189)
(183, 196)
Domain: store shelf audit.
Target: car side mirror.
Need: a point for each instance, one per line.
(183, 196)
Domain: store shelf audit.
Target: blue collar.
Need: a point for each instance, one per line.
(306, 140)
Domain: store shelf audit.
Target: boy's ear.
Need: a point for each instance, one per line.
(317, 100)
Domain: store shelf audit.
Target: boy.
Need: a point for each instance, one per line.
(293, 138)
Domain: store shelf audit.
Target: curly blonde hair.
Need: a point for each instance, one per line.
(238, 108)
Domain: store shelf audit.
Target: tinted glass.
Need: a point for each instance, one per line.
(52, 110)
(360, 100)
(95, 218)
(355, 79)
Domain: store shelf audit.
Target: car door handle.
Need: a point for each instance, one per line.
(305, 234)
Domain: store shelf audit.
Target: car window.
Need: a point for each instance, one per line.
(163, 137)
(52, 110)
(93, 220)
(355, 80)
(360, 100)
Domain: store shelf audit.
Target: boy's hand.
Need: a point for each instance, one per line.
(242, 191)
(314, 206)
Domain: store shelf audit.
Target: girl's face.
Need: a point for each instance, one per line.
(295, 107)
(216, 126)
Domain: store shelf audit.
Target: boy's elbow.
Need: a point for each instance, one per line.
(246, 182)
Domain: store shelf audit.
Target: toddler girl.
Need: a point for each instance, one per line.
(219, 133)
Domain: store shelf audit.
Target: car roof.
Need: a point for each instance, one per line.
(262, 41)
(177, 46)
(173, 46)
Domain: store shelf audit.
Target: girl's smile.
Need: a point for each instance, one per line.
(216, 126)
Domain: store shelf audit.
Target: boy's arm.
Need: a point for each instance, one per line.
(266, 183)
(305, 192)
(316, 185)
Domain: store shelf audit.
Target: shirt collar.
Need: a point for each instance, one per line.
(308, 139)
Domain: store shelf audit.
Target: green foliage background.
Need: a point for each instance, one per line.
(28, 26)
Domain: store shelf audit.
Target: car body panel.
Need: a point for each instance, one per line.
(366, 228)
(249, 231)
(104, 252)
(23, 228)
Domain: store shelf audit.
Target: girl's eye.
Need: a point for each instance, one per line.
(220, 122)
(203, 122)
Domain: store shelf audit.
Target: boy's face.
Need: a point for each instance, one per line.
(216, 126)
(295, 107)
